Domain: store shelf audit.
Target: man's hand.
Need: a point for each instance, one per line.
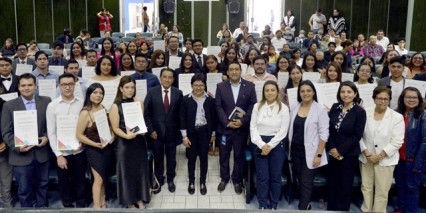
(186, 142)
(154, 135)
(43, 141)
(62, 162)
(2, 146)
(25, 148)
(266, 149)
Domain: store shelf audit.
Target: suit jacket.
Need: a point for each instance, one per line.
(188, 112)
(29, 61)
(3, 155)
(387, 81)
(196, 65)
(156, 117)
(63, 61)
(16, 158)
(13, 86)
(167, 53)
(225, 104)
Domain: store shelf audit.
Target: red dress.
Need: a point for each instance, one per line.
(104, 23)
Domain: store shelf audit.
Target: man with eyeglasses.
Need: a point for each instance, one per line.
(71, 163)
(396, 81)
(198, 46)
(9, 81)
(22, 51)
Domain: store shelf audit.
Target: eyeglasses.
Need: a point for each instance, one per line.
(411, 98)
(70, 85)
(382, 99)
(198, 85)
(364, 71)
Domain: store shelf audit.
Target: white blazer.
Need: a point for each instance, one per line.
(389, 136)
(316, 129)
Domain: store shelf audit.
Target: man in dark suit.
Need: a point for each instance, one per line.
(162, 118)
(235, 92)
(22, 51)
(200, 58)
(9, 82)
(57, 51)
(173, 45)
(30, 162)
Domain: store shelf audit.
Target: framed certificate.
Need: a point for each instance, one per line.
(66, 126)
(133, 117)
(103, 126)
(25, 127)
(212, 80)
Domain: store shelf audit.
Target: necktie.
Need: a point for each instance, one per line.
(200, 62)
(166, 101)
(6, 79)
(22, 62)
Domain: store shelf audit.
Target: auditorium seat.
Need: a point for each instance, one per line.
(117, 35)
(133, 35)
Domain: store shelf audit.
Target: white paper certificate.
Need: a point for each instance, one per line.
(212, 80)
(66, 129)
(347, 77)
(159, 45)
(25, 127)
(125, 73)
(174, 62)
(82, 63)
(420, 85)
(87, 72)
(9, 96)
(110, 92)
(292, 97)
(213, 50)
(366, 94)
(282, 79)
(157, 71)
(326, 93)
(133, 117)
(23, 68)
(185, 83)
(47, 87)
(141, 89)
(312, 76)
(102, 126)
(244, 71)
(59, 70)
(258, 86)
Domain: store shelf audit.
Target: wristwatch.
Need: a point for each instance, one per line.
(319, 155)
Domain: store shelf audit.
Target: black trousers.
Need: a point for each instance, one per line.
(73, 180)
(305, 177)
(237, 142)
(167, 147)
(200, 140)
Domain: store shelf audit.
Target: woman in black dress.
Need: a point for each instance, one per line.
(132, 162)
(99, 153)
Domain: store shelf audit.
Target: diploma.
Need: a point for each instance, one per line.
(9, 96)
(185, 83)
(59, 70)
(47, 87)
(157, 71)
(133, 117)
(78, 92)
(159, 45)
(141, 89)
(213, 50)
(82, 63)
(347, 77)
(25, 127)
(292, 97)
(87, 72)
(312, 76)
(258, 86)
(174, 62)
(366, 94)
(326, 93)
(126, 73)
(66, 126)
(110, 88)
(420, 85)
(244, 70)
(102, 126)
(282, 79)
(23, 68)
(212, 80)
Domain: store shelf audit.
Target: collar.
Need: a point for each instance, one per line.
(341, 106)
(162, 88)
(230, 82)
(191, 95)
(9, 76)
(61, 99)
(26, 101)
(37, 73)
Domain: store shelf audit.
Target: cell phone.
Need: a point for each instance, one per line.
(135, 129)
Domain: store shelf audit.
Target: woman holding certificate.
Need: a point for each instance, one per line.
(132, 160)
(99, 152)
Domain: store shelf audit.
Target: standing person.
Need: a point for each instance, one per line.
(162, 119)
(71, 163)
(98, 152)
(104, 21)
(141, 72)
(290, 21)
(373, 49)
(232, 93)
(145, 19)
(260, 74)
(132, 152)
(396, 81)
(317, 21)
(308, 135)
(198, 45)
(383, 136)
(412, 154)
(268, 128)
(30, 162)
(337, 22)
(347, 123)
(6, 170)
(9, 82)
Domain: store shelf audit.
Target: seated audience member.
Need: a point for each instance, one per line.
(299, 39)
(347, 46)
(281, 66)
(338, 42)
(309, 40)
(108, 49)
(373, 49)
(267, 32)
(339, 58)
(188, 45)
(91, 60)
(285, 52)
(278, 41)
(248, 59)
(330, 51)
(294, 78)
(231, 55)
(57, 58)
(364, 74)
(8, 49)
(361, 40)
(320, 36)
(288, 35)
(88, 42)
(32, 48)
(77, 52)
(387, 56)
(309, 63)
(132, 48)
(177, 33)
(312, 47)
(395, 80)
(401, 47)
(382, 40)
(107, 35)
(42, 70)
(126, 63)
(248, 45)
(22, 50)
(271, 55)
(158, 59)
(239, 30)
(141, 71)
(187, 65)
(321, 62)
(66, 38)
(324, 43)
(417, 64)
(296, 57)
(357, 51)
(333, 73)
(200, 58)
(9, 81)
(260, 74)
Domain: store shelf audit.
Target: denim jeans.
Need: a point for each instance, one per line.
(408, 186)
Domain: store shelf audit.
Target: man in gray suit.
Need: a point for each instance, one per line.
(30, 162)
(22, 51)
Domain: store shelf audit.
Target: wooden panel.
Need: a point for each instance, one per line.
(184, 18)
(418, 41)
(218, 18)
(7, 26)
(43, 14)
(93, 7)
(113, 6)
(378, 16)
(398, 20)
(294, 5)
(360, 18)
(25, 14)
(61, 17)
(201, 24)
(308, 8)
(345, 9)
(78, 16)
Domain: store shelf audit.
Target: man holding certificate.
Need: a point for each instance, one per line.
(28, 152)
(61, 116)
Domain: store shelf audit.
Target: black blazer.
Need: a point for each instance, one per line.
(196, 65)
(346, 141)
(17, 158)
(157, 119)
(188, 112)
(13, 86)
(4, 153)
(63, 61)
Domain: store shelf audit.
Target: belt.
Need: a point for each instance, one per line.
(200, 126)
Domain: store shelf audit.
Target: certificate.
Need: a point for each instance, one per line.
(110, 88)
(243, 70)
(133, 117)
(212, 80)
(347, 77)
(420, 85)
(292, 97)
(102, 126)
(258, 86)
(159, 45)
(185, 83)
(87, 72)
(77, 91)
(327, 93)
(213, 50)
(312, 76)
(66, 126)
(141, 89)
(25, 127)
(282, 79)
(23, 68)
(125, 73)
(58, 70)
(157, 71)
(47, 87)
(82, 63)
(9, 96)
(174, 62)
(366, 94)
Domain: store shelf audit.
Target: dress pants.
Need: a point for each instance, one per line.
(160, 148)
(237, 142)
(408, 186)
(5, 182)
(73, 180)
(200, 140)
(32, 179)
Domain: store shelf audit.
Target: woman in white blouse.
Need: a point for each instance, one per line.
(268, 127)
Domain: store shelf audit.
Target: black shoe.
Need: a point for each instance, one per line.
(203, 189)
(221, 187)
(191, 188)
(68, 205)
(157, 188)
(172, 187)
(238, 188)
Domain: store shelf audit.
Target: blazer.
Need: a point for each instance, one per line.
(4, 154)
(16, 61)
(316, 129)
(346, 141)
(204, 58)
(188, 112)
(388, 136)
(225, 105)
(13, 86)
(156, 117)
(41, 154)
